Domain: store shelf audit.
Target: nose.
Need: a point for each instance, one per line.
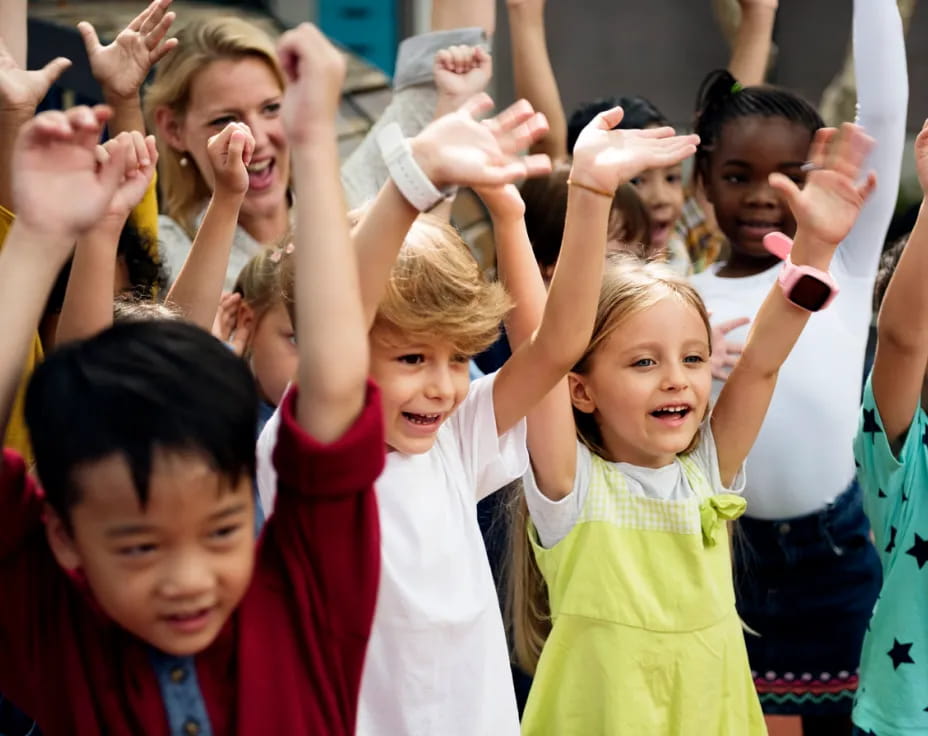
(440, 382)
(762, 194)
(261, 130)
(186, 576)
(674, 377)
(660, 193)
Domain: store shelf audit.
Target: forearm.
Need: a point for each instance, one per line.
(882, 102)
(127, 114)
(198, 287)
(751, 48)
(573, 295)
(25, 281)
(13, 27)
(88, 300)
(377, 240)
(534, 77)
(448, 15)
(10, 123)
(520, 275)
(333, 360)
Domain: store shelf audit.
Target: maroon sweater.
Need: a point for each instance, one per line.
(287, 662)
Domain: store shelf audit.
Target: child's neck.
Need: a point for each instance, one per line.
(740, 265)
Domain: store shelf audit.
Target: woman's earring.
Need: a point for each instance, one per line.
(183, 159)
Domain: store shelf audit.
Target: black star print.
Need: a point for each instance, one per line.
(925, 437)
(872, 427)
(919, 551)
(879, 493)
(892, 539)
(904, 497)
(899, 654)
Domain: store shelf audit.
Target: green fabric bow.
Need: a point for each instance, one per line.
(715, 509)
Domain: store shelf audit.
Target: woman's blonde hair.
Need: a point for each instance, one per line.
(630, 285)
(183, 188)
(436, 289)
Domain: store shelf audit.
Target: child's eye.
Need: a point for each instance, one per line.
(674, 178)
(461, 359)
(137, 550)
(635, 181)
(412, 359)
(272, 110)
(694, 359)
(734, 179)
(225, 531)
(644, 363)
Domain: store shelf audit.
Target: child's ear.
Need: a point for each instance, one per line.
(580, 395)
(60, 540)
(167, 123)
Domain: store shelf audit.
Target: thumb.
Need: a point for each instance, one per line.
(89, 36)
(608, 119)
(54, 69)
(112, 171)
(787, 187)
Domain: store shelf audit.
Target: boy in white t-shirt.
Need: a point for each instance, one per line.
(437, 662)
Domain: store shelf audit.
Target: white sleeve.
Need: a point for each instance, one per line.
(173, 246)
(882, 101)
(706, 457)
(554, 519)
(490, 460)
(265, 472)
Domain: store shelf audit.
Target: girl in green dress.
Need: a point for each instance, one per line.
(634, 477)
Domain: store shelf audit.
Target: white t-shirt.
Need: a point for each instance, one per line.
(555, 519)
(437, 662)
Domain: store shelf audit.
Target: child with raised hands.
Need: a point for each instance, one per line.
(634, 475)
(96, 274)
(892, 467)
(156, 614)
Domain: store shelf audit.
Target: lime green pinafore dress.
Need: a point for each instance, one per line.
(645, 638)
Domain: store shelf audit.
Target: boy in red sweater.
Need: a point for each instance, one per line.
(140, 554)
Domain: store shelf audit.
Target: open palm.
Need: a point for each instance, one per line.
(121, 66)
(23, 90)
(828, 205)
(608, 158)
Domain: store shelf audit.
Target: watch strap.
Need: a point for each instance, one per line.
(408, 176)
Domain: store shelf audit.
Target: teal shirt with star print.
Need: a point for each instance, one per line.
(892, 699)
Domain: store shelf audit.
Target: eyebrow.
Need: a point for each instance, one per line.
(129, 530)
(745, 164)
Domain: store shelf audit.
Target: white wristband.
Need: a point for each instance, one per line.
(405, 172)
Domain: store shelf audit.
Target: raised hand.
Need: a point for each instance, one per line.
(462, 71)
(605, 158)
(504, 203)
(315, 71)
(140, 155)
(457, 149)
(229, 153)
(122, 66)
(59, 185)
(827, 207)
(228, 326)
(21, 91)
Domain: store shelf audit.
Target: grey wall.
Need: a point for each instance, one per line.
(663, 48)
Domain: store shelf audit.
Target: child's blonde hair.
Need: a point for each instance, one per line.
(183, 188)
(630, 285)
(436, 289)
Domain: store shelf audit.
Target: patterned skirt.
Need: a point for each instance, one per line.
(806, 589)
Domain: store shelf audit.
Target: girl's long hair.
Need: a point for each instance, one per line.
(630, 285)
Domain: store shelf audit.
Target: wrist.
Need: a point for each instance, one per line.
(427, 158)
(809, 250)
(122, 101)
(40, 240)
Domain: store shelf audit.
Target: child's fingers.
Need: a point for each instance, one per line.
(112, 172)
(732, 324)
(509, 119)
(138, 22)
(156, 34)
(89, 37)
(538, 164)
(53, 124)
(785, 186)
(818, 149)
(443, 59)
(478, 105)
(849, 150)
(152, 146)
(85, 124)
(236, 147)
(608, 119)
(866, 188)
(522, 136)
(665, 131)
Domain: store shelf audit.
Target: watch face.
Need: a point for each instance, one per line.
(810, 293)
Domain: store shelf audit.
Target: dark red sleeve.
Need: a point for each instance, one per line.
(318, 571)
(20, 504)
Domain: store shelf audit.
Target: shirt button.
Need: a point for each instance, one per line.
(191, 727)
(178, 674)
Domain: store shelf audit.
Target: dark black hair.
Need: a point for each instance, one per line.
(639, 113)
(134, 388)
(888, 262)
(722, 98)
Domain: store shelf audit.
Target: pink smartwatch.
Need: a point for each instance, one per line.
(808, 288)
